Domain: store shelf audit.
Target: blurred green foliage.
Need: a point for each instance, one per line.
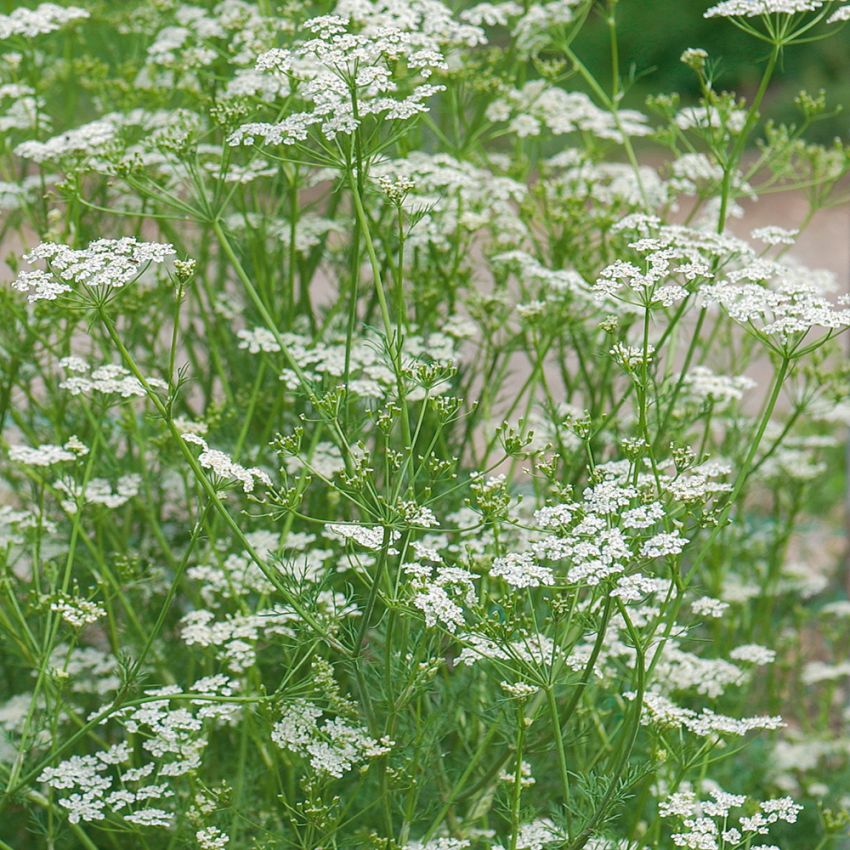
(653, 33)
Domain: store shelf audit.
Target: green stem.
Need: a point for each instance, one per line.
(211, 492)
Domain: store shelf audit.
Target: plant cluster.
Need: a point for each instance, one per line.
(401, 449)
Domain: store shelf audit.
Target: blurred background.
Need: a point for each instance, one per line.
(653, 34)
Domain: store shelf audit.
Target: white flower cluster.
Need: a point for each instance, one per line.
(815, 672)
(86, 775)
(695, 173)
(606, 189)
(178, 730)
(701, 384)
(680, 670)
(670, 259)
(491, 14)
(534, 652)
(85, 669)
(588, 538)
(94, 795)
(710, 117)
(237, 575)
(370, 372)
(76, 611)
(538, 106)
(17, 195)
(418, 516)
(346, 76)
(755, 8)
(47, 454)
(638, 587)
(798, 459)
(536, 835)
(104, 264)
(520, 690)
(99, 491)
(225, 468)
(773, 235)
(138, 136)
(23, 107)
(211, 838)
(232, 29)
(256, 340)
(333, 747)
(554, 284)
(433, 18)
(708, 606)
(631, 357)
(88, 141)
(710, 825)
(110, 379)
(526, 777)
(786, 308)
(369, 537)
(45, 18)
(753, 653)
(440, 592)
(661, 711)
(533, 31)
(234, 638)
(452, 196)
(309, 228)
(663, 545)
(521, 570)
(699, 483)
(14, 523)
